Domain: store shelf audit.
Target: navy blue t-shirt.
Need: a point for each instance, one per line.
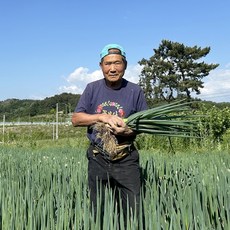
(98, 98)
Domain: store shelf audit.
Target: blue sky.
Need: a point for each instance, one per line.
(52, 46)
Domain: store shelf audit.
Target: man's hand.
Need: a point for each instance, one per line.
(116, 125)
(123, 131)
(112, 120)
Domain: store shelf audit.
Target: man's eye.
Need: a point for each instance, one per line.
(117, 63)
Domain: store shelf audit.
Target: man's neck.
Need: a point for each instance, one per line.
(114, 85)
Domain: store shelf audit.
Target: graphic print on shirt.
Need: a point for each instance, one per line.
(111, 107)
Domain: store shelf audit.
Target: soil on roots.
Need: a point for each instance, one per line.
(108, 140)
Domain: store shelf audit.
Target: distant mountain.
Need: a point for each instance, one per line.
(15, 108)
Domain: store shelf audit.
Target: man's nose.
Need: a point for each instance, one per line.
(112, 67)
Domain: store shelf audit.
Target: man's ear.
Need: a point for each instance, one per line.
(126, 63)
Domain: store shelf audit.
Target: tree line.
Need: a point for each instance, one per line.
(26, 109)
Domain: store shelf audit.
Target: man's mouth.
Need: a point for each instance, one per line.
(114, 75)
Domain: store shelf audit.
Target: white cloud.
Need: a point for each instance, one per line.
(78, 79)
(81, 76)
(70, 89)
(217, 85)
(133, 73)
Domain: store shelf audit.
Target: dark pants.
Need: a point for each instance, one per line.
(123, 176)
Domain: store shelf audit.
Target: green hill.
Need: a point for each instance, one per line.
(27, 109)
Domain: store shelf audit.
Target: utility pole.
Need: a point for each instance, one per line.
(3, 129)
(56, 121)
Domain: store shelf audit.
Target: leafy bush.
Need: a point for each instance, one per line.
(214, 123)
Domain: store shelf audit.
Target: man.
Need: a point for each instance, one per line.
(109, 101)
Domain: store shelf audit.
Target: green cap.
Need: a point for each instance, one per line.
(105, 50)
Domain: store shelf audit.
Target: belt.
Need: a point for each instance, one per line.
(123, 150)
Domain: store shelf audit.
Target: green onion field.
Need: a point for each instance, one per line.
(43, 185)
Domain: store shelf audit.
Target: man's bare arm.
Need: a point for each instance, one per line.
(117, 124)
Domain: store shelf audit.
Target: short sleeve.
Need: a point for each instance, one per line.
(84, 101)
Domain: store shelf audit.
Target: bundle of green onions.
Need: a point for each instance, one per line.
(168, 120)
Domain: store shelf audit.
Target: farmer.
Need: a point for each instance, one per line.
(108, 101)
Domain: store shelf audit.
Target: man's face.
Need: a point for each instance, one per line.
(113, 68)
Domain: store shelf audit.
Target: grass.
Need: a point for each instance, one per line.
(37, 137)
